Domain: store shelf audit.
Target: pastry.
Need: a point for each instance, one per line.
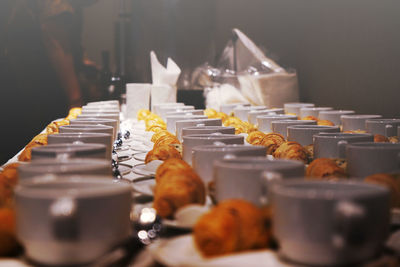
(272, 141)
(323, 168)
(142, 114)
(8, 240)
(378, 138)
(255, 138)
(182, 187)
(232, 226)
(10, 173)
(160, 134)
(309, 118)
(291, 150)
(166, 140)
(393, 139)
(389, 181)
(210, 113)
(325, 123)
(162, 152)
(172, 164)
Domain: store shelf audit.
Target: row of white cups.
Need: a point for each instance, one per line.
(315, 222)
(59, 217)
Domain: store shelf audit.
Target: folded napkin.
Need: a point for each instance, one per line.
(164, 79)
(224, 94)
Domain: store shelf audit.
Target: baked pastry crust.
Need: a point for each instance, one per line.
(178, 188)
(142, 114)
(232, 226)
(162, 152)
(291, 150)
(378, 138)
(324, 168)
(160, 134)
(325, 123)
(255, 138)
(272, 141)
(171, 164)
(309, 118)
(390, 182)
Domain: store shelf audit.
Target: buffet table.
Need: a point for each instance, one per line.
(175, 247)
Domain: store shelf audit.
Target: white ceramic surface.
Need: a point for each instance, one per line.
(280, 126)
(356, 122)
(334, 115)
(303, 134)
(264, 121)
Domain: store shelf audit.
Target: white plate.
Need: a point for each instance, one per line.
(148, 169)
(137, 146)
(141, 156)
(144, 186)
(165, 252)
(124, 169)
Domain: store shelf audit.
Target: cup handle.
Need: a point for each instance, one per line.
(268, 178)
(64, 221)
(348, 218)
(342, 148)
(388, 128)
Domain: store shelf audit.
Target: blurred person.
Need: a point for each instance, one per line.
(43, 70)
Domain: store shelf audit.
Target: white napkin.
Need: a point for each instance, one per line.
(224, 94)
(137, 97)
(164, 79)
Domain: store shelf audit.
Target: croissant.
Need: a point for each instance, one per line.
(142, 114)
(309, 118)
(255, 138)
(10, 173)
(393, 139)
(233, 225)
(389, 181)
(325, 123)
(291, 150)
(222, 116)
(166, 140)
(378, 138)
(210, 113)
(171, 164)
(324, 167)
(272, 141)
(181, 188)
(162, 152)
(160, 134)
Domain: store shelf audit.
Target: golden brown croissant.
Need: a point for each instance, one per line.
(389, 181)
(10, 173)
(160, 134)
(272, 141)
(324, 167)
(233, 225)
(291, 150)
(309, 118)
(325, 123)
(142, 114)
(255, 138)
(178, 188)
(39, 140)
(171, 164)
(166, 140)
(393, 139)
(210, 113)
(8, 240)
(378, 138)
(162, 152)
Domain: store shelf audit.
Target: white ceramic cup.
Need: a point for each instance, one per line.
(191, 141)
(107, 109)
(101, 116)
(368, 158)
(228, 108)
(137, 97)
(204, 156)
(104, 103)
(86, 138)
(303, 134)
(165, 109)
(197, 122)
(64, 167)
(207, 130)
(386, 127)
(89, 128)
(326, 223)
(245, 177)
(334, 115)
(312, 111)
(253, 114)
(156, 107)
(186, 112)
(172, 119)
(264, 121)
(356, 122)
(70, 151)
(242, 112)
(294, 108)
(91, 121)
(71, 220)
(333, 145)
(398, 131)
(280, 126)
